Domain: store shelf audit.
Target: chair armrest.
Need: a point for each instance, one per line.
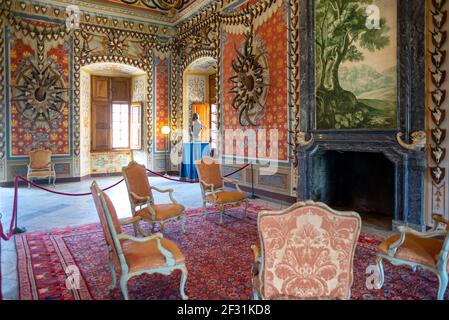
(405, 230)
(256, 252)
(170, 193)
(139, 198)
(233, 181)
(437, 219)
(430, 234)
(207, 185)
(130, 220)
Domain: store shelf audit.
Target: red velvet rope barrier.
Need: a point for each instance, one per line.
(9, 234)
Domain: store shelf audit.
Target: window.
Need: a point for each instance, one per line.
(120, 126)
(136, 126)
(116, 123)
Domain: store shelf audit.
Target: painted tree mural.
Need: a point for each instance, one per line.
(351, 97)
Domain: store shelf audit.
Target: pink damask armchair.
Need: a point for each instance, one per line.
(307, 252)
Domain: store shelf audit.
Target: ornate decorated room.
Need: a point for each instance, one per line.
(223, 150)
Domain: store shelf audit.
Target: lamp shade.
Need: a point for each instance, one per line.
(165, 130)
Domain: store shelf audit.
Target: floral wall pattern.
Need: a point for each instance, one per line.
(85, 129)
(25, 135)
(272, 38)
(162, 102)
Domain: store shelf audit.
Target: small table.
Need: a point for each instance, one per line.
(191, 152)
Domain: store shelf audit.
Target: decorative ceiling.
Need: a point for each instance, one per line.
(112, 69)
(163, 11)
(170, 7)
(203, 65)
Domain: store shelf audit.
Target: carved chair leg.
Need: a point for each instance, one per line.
(29, 184)
(443, 279)
(221, 214)
(183, 283)
(246, 209)
(183, 222)
(136, 229)
(49, 180)
(124, 287)
(205, 209)
(54, 181)
(380, 268)
(255, 294)
(114, 275)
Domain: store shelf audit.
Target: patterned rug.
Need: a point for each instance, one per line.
(218, 257)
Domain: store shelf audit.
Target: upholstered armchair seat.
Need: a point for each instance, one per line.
(163, 211)
(42, 173)
(427, 250)
(40, 166)
(142, 201)
(224, 197)
(424, 251)
(146, 255)
(213, 189)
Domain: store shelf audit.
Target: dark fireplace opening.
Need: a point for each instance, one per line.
(357, 181)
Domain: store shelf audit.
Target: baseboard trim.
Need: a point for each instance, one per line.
(10, 184)
(277, 197)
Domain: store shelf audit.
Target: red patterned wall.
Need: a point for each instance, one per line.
(24, 137)
(273, 35)
(162, 84)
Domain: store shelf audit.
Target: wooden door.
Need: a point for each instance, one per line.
(101, 114)
(121, 90)
(203, 110)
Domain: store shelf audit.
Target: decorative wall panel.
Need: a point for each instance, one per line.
(110, 162)
(437, 88)
(85, 126)
(270, 37)
(39, 107)
(162, 103)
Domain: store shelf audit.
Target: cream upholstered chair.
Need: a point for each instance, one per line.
(307, 252)
(130, 256)
(142, 201)
(428, 250)
(212, 187)
(40, 166)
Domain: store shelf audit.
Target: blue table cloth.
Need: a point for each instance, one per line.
(191, 152)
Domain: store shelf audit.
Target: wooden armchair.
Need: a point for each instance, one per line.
(40, 166)
(142, 201)
(212, 187)
(428, 250)
(307, 252)
(130, 256)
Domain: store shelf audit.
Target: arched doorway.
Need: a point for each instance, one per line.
(112, 96)
(200, 96)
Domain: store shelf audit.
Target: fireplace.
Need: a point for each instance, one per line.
(369, 173)
(357, 181)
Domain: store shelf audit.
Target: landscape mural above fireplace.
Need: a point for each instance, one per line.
(355, 64)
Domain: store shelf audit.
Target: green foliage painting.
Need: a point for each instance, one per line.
(356, 81)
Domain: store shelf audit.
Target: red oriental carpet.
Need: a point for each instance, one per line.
(219, 260)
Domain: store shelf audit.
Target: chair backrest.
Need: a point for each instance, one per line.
(136, 179)
(209, 171)
(40, 159)
(109, 223)
(307, 252)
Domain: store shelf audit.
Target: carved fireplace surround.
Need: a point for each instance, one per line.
(409, 163)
